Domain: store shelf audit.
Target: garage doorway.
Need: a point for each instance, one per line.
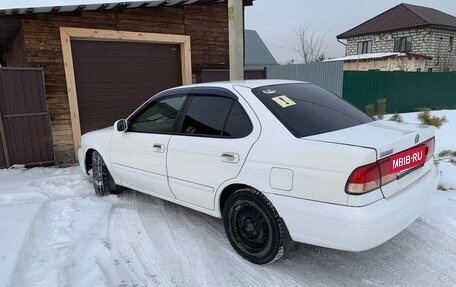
(114, 78)
(102, 65)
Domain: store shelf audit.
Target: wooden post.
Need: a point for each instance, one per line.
(236, 38)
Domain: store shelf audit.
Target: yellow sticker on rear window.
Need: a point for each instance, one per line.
(284, 101)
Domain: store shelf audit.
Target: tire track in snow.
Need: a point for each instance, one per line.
(191, 249)
(131, 246)
(60, 234)
(210, 258)
(388, 267)
(433, 232)
(416, 258)
(441, 256)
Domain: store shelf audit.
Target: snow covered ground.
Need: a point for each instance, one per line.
(55, 232)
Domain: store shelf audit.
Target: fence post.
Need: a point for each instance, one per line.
(3, 140)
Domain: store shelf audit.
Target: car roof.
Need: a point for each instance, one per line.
(247, 83)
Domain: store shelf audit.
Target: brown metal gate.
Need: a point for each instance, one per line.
(25, 128)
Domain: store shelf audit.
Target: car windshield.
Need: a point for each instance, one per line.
(306, 109)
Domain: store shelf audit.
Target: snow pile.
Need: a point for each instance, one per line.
(54, 230)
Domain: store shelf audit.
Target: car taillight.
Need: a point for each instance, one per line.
(364, 179)
(372, 176)
(430, 148)
(387, 175)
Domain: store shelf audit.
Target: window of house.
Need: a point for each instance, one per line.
(450, 48)
(364, 47)
(403, 44)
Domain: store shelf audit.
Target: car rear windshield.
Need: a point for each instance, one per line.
(306, 109)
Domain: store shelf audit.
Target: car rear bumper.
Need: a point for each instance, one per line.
(355, 228)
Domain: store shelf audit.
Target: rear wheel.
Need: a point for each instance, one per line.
(103, 182)
(253, 226)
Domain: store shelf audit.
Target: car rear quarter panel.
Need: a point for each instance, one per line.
(319, 170)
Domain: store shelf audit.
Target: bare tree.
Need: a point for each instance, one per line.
(311, 46)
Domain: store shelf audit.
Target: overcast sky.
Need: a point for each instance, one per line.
(277, 20)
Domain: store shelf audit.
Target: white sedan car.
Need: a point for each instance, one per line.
(280, 161)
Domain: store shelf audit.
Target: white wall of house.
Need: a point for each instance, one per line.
(427, 41)
(408, 64)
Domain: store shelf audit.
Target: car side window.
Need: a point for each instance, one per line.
(206, 115)
(238, 124)
(216, 116)
(159, 117)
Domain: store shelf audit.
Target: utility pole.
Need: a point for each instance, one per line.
(236, 38)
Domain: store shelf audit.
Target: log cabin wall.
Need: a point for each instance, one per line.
(15, 55)
(206, 24)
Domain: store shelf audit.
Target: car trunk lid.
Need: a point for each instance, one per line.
(388, 139)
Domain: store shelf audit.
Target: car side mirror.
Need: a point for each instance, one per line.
(121, 125)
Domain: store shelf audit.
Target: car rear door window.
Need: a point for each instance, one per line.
(238, 124)
(159, 117)
(206, 115)
(216, 116)
(306, 109)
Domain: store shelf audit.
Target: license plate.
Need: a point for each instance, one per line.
(408, 159)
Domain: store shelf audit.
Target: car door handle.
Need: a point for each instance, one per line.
(230, 157)
(159, 148)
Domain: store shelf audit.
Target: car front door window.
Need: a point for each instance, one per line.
(159, 117)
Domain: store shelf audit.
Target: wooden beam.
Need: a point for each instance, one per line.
(144, 5)
(180, 2)
(120, 6)
(55, 9)
(29, 11)
(80, 8)
(102, 7)
(164, 3)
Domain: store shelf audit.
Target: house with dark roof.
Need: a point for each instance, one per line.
(406, 37)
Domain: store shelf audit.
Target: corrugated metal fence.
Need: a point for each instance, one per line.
(216, 75)
(25, 129)
(404, 91)
(328, 75)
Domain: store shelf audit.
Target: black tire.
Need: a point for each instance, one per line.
(103, 182)
(253, 226)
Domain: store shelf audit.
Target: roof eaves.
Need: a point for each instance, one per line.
(389, 31)
(100, 6)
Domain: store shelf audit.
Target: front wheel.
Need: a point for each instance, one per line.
(103, 182)
(253, 226)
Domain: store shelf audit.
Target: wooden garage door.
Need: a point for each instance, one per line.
(114, 78)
